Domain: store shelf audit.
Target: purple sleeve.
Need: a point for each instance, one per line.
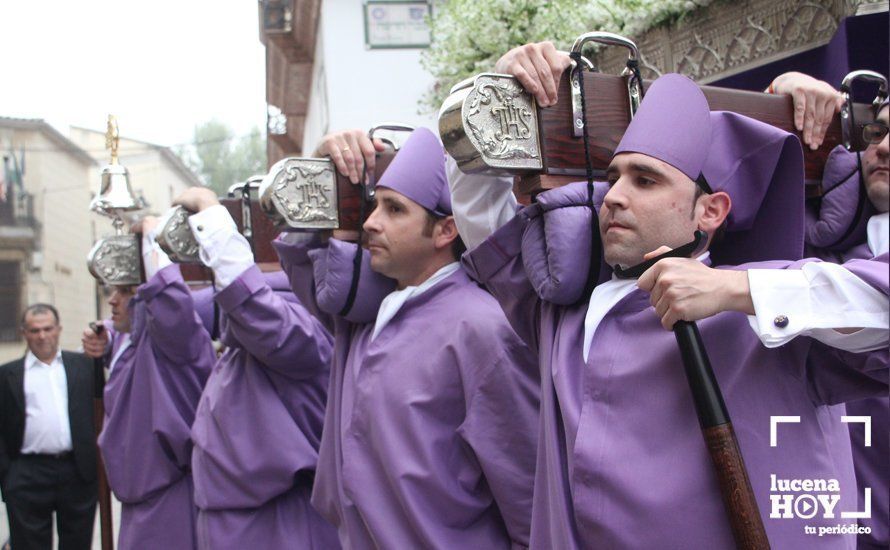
(497, 264)
(282, 335)
(171, 318)
(295, 262)
(334, 267)
(506, 444)
(838, 376)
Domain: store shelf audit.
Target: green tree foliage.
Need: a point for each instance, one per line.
(222, 158)
(469, 35)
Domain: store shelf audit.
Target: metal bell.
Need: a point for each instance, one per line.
(115, 194)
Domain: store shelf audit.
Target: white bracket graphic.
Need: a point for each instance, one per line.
(863, 420)
(774, 421)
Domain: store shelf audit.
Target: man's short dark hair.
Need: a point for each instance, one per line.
(39, 309)
(457, 245)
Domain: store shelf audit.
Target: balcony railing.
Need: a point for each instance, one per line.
(18, 210)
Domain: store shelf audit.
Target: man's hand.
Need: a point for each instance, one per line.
(94, 344)
(815, 104)
(350, 150)
(538, 67)
(196, 199)
(683, 289)
(145, 225)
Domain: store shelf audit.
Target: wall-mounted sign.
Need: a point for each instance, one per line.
(396, 24)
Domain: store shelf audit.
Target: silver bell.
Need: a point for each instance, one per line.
(115, 194)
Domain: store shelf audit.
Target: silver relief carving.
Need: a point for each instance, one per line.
(301, 193)
(115, 260)
(727, 38)
(502, 123)
(490, 124)
(177, 240)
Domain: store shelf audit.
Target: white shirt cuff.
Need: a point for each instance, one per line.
(223, 249)
(814, 301)
(481, 203)
(154, 258)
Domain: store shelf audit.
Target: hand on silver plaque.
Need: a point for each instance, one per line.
(815, 104)
(538, 67)
(350, 150)
(145, 225)
(196, 199)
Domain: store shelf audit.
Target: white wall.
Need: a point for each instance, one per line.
(363, 87)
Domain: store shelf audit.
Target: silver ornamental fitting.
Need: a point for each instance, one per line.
(177, 240)
(489, 124)
(115, 194)
(301, 193)
(115, 260)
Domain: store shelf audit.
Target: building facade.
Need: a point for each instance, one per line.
(331, 65)
(47, 229)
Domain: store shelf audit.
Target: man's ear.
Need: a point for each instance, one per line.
(715, 208)
(445, 232)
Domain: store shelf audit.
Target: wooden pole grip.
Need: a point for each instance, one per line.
(105, 524)
(735, 488)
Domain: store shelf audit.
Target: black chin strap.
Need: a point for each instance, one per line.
(685, 251)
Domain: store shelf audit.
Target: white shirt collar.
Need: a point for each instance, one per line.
(879, 233)
(31, 359)
(603, 298)
(396, 299)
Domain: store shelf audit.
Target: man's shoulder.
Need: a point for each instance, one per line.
(7, 368)
(477, 313)
(75, 356)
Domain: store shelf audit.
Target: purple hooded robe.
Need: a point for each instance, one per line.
(259, 421)
(621, 460)
(150, 401)
(431, 427)
(834, 234)
(427, 457)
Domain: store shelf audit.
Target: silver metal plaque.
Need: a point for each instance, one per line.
(177, 240)
(301, 193)
(115, 260)
(489, 124)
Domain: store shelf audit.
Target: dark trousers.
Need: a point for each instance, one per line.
(34, 488)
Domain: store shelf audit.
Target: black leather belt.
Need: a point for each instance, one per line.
(49, 456)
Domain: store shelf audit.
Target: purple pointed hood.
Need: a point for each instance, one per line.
(761, 168)
(672, 125)
(758, 165)
(418, 172)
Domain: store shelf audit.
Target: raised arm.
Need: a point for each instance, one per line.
(171, 317)
(279, 332)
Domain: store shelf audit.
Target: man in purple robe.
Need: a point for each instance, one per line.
(847, 223)
(430, 429)
(258, 424)
(160, 358)
(621, 461)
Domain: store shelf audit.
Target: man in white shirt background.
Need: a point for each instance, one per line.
(47, 444)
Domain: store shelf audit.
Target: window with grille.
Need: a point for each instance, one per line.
(10, 299)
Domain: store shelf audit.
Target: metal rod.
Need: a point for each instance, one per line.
(105, 520)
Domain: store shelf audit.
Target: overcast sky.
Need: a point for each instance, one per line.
(161, 66)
